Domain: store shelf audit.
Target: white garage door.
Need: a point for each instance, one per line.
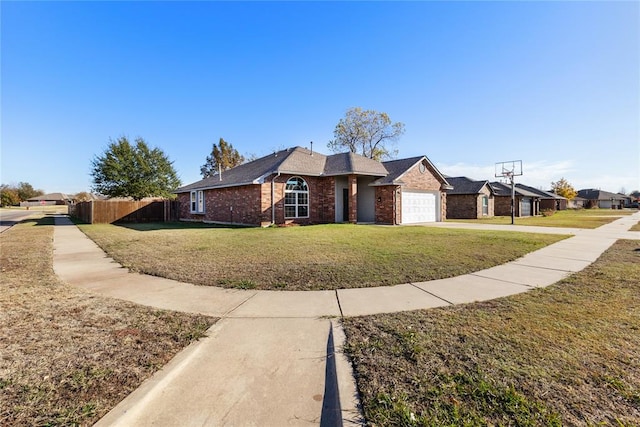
(418, 207)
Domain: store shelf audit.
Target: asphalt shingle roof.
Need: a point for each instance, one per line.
(501, 189)
(49, 197)
(295, 160)
(593, 194)
(464, 185)
(348, 163)
(541, 193)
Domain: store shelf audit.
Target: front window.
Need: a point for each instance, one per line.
(296, 198)
(485, 205)
(197, 201)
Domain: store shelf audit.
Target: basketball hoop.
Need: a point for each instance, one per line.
(510, 170)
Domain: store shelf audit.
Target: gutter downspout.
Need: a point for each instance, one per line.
(273, 197)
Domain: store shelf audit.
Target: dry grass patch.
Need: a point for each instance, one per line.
(66, 356)
(565, 355)
(329, 256)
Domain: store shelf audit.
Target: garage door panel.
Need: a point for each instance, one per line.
(526, 207)
(418, 207)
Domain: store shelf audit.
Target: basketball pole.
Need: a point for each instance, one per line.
(513, 199)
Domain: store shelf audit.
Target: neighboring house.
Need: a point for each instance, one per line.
(469, 199)
(548, 201)
(602, 199)
(298, 186)
(527, 203)
(47, 200)
(577, 203)
(628, 201)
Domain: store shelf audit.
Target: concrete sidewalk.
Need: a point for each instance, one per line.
(264, 363)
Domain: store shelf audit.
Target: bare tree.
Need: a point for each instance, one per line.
(368, 133)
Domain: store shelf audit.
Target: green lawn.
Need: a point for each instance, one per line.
(313, 257)
(571, 218)
(565, 355)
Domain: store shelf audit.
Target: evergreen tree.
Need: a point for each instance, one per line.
(136, 171)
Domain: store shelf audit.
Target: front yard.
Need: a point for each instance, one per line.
(565, 355)
(329, 256)
(68, 356)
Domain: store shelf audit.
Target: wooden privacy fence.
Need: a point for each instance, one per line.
(107, 212)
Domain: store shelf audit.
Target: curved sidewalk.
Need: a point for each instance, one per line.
(80, 262)
(270, 360)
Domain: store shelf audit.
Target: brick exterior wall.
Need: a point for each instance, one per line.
(548, 204)
(233, 205)
(502, 206)
(469, 206)
(415, 180)
(321, 200)
(252, 205)
(464, 206)
(353, 198)
(386, 211)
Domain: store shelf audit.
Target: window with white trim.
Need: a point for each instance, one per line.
(197, 201)
(296, 198)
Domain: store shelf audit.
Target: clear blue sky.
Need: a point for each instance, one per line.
(556, 84)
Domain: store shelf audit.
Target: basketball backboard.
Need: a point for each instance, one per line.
(508, 169)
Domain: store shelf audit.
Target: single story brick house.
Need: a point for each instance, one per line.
(527, 203)
(602, 199)
(299, 186)
(469, 199)
(50, 199)
(548, 201)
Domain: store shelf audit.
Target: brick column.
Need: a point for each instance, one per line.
(353, 199)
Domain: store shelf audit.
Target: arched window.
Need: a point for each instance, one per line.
(296, 198)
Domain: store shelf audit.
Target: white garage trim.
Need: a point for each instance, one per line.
(420, 206)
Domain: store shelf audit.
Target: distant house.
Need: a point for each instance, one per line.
(298, 186)
(577, 203)
(602, 199)
(469, 199)
(47, 200)
(548, 201)
(527, 203)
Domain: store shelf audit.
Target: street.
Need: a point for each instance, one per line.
(10, 217)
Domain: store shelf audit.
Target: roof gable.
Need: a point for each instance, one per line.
(464, 185)
(397, 169)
